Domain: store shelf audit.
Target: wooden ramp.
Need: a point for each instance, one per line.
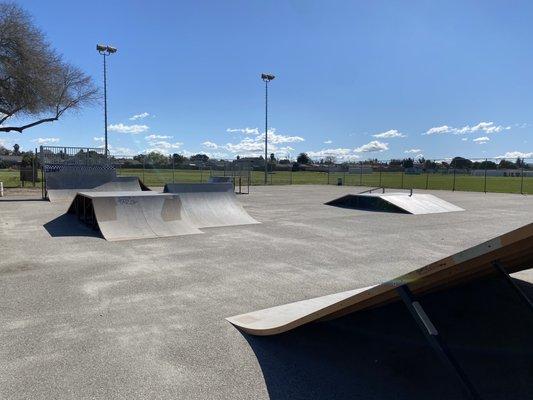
(210, 205)
(401, 202)
(133, 214)
(510, 252)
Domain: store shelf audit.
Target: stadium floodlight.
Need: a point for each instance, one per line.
(266, 78)
(105, 51)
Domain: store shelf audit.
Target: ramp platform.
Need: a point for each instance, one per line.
(133, 214)
(400, 202)
(506, 254)
(210, 205)
(121, 183)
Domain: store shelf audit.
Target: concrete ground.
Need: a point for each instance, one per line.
(83, 318)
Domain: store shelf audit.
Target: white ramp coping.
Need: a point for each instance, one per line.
(120, 183)
(513, 251)
(209, 205)
(412, 203)
(133, 214)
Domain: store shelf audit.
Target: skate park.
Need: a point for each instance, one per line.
(266, 200)
(151, 313)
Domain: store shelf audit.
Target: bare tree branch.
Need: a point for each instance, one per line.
(35, 83)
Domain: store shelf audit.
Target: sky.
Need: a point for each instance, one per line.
(354, 79)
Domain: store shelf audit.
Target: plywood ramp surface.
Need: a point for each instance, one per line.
(514, 250)
(211, 204)
(396, 202)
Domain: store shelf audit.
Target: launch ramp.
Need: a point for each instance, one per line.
(400, 202)
(210, 204)
(504, 254)
(133, 214)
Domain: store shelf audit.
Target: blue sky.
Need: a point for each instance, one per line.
(354, 79)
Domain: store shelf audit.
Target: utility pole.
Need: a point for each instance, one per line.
(105, 51)
(266, 78)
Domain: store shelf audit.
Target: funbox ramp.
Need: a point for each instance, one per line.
(396, 202)
(210, 205)
(133, 215)
(512, 251)
(119, 183)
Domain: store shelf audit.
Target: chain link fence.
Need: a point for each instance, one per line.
(480, 175)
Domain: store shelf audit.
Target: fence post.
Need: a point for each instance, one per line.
(522, 179)
(453, 187)
(328, 173)
(427, 179)
(173, 171)
(403, 172)
(144, 166)
(485, 180)
(33, 171)
(202, 173)
(361, 174)
(379, 175)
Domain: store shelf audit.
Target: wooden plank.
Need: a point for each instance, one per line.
(513, 249)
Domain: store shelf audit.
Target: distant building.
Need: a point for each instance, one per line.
(502, 172)
(251, 161)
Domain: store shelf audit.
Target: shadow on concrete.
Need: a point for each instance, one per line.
(381, 354)
(69, 225)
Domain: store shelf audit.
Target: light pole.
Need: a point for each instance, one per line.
(266, 78)
(105, 51)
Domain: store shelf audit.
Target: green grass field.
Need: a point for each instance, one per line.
(158, 177)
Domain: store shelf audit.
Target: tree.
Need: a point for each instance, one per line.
(505, 164)
(179, 159)
(461, 163)
(408, 163)
(16, 149)
(36, 85)
(200, 158)
(330, 160)
(303, 158)
(272, 158)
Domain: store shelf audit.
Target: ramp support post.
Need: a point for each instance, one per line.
(505, 275)
(435, 340)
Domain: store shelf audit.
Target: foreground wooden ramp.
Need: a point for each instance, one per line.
(506, 254)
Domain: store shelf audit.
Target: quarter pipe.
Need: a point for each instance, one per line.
(121, 183)
(210, 204)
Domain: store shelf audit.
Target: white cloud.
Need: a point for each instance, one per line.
(45, 140)
(210, 145)
(98, 138)
(122, 151)
(163, 147)
(393, 133)
(245, 131)
(465, 139)
(155, 137)
(134, 129)
(484, 127)
(481, 140)
(341, 154)
(412, 151)
(374, 145)
(438, 130)
(255, 146)
(139, 116)
(328, 142)
(516, 154)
